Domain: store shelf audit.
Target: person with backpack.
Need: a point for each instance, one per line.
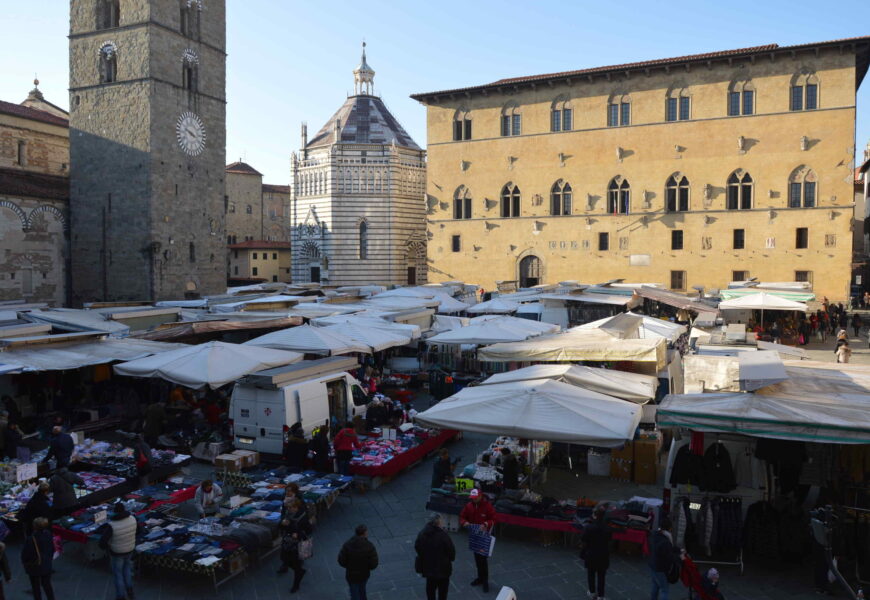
(118, 537)
(664, 561)
(37, 554)
(295, 528)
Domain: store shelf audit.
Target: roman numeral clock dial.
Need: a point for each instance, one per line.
(190, 133)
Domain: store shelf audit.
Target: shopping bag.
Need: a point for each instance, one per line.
(306, 549)
(480, 541)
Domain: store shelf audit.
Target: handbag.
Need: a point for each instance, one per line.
(31, 564)
(305, 548)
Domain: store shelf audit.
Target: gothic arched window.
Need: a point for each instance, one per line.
(189, 20)
(618, 196)
(510, 201)
(461, 125)
(741, 98)
(462, 203)
(802, 188)
(108, 63)
(804, 92)
(677, 105)
(619, 110)
(561, 114)
(739, 191)
(677, 193)
(363, 240)
(560, 199)
(511, 119)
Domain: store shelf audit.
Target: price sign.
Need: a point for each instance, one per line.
(235, 501)
(464, 485)
(100, 516)
(25, 472)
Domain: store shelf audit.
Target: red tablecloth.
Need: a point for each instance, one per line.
(637, 536)
(177, 497)
(69, 535)
(405, 459)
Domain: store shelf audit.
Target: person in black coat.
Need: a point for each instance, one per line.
(296, 450)
(359, 558)
(596, 552)
(36, 555)
(510, 469)
(443, 470)
(319, 445)
(60, 447)
(13, 438)
(62, 491)
(663, 555)
(294, 528)
(435, 556)
(36, 507)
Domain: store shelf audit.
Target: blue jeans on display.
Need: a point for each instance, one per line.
(122, 569)
(357, 591)
(660, 585)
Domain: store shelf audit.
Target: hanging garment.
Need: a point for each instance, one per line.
(681, 521)
(688, 468)
(718, 472)
(761, 530)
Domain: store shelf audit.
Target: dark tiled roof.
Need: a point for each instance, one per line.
(16, 182)
(33, 114)
(259, 245)
(364, 120)
(281, 189)
(242, 168)
(661, 62)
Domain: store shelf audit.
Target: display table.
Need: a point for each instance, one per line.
(405, 459)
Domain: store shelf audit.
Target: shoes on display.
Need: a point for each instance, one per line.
(476, 582)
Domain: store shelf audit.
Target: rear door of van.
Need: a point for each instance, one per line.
(313, 405)
(254, 412)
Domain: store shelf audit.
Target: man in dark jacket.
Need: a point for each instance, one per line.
(62, 490)
(510, 469)
(37, 554)
(359, 558)
(435, 556)
(296, 450)
(663, 555)
(60, 447)
(319, 445)
(596, 552)
(36, 507)
(442, 471)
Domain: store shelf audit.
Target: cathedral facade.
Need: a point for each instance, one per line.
(357, 203)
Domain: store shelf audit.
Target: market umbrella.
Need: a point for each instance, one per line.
(495, 306)
(213, 364)
(539, 410)
(310, 340)
(633, 387)
(762, 301)
(533, 327)
(376, 338)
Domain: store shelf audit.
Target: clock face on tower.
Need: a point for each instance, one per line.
(190, 133)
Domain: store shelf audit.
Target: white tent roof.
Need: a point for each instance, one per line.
(571, 346)
(487, 332)
(539, 410)
(759, 369)
(441, 323)
(449, 304)
(494, 306)
(369, 320)
(239, 304)
(637, 326)
(71, 319)
(376, 338)
(313, 310)
(399, 302)
(61, 357)
(762, 301)
(619, 384)
(819, 402)
(213, 364)
(310, 340)
(533, 327)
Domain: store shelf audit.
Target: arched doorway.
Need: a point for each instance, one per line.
(530, 271)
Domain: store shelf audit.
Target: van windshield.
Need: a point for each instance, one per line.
(360, 398)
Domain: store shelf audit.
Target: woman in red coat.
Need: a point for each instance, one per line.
(344, 443)
(479, 512)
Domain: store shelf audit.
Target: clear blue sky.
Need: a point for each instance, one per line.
(291, 61)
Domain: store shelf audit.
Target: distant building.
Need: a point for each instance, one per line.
(358, 213)
(255, 210)
(260, 259)
(34, 201)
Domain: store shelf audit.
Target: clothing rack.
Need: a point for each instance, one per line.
(865, 511)
(738, 562)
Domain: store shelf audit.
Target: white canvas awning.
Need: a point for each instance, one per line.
(309, 340)
(782, 349)
(762, 301)
(572, 346)
(759, 369)
(538, 410)
(74, 355)
(71, 319)
(532, 327)
(633, 387)
(227, 307)
(595, 298)
(376, 339)
(495, 306)
(370, 320)
(212, 364)
(630, 325)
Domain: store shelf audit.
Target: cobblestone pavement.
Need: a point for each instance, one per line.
(394, 513)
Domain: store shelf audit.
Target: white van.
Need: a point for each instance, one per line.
(265, 404)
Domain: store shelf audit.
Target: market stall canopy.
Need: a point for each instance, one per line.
(314, 310)
(375, 338)
(782, 349)
(538, 410)
(819, 402)
(795, 295)
(309, 340)
(674, 299)
(630, 325)
(441, 323)
(237, 305)
(762, 301)
(759, 369)
(533, 327)
(71, 319)
(595, 298)
(74, 355)
(633, 387)
(175, 331)
(212, 364)
(369, 320)
(449, 304)
(485, 332)
(495, 306)
(578, 345)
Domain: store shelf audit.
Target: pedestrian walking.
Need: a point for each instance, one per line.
(36, 507)
(843, 352)
(664, 558)
(359, 558)
(857, 324)
(296, 448)
(37, 555)
(118, 537)
(596, 553)
(295, 528)
(435, 556)
(4, 566)
(319, 446)
(344, 443)
(479, 512)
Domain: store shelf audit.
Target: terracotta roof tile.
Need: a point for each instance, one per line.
(33, 114)
(242, 168)
(16, 182)
(259, 245)
(281, 189)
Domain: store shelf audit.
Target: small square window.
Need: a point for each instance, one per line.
(603, 241)
(801, 238)
(677, 239)
(739, 275)
(255, 256)
(455, 243)
(803, 276)
(274, 278)
(274, 256)
(678, 280)
(739, 239)
(254, 270)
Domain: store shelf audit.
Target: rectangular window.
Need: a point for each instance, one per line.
(625, 113)
(603, 241)
(671, 109)
(794, 195)
(274, 256)
(457, 131)
(803, 276)
(748, 102)
(254, 271)
(677, 239)
(684, 198)
(455, 243)
(556, 120)
(812, 96)
(801, 238)
(739, 275)
(467, 125)
(516, 124)
(466, 202)
(739, 239)
(733, 197)
(797, 97)
(567, 119)
(678, 280)
(733, 104)
(235, 254)
(809, 194)
(671, 199)
(255, 256)
(612, 115)
(21, 158)
(274, 278)
(505, 125)
(236, 270)
(684, 108)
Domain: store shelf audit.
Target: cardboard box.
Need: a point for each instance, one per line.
(624, 453)
(646, 473)
(646, 451)
(621, 469)
(250, 458)
(228, 462)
